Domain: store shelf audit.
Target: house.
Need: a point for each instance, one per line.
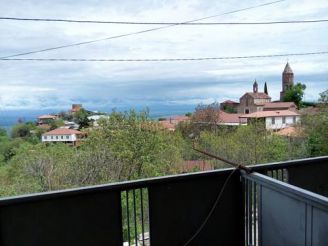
(274, 120)
(46, 119)
(273, 106)
(229, 105)
(254, 101)
(228, 119)
(64, 135)
(167, 125)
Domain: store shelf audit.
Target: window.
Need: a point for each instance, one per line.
(273, 120)
(284, 120)
(52, 137)
(246, 111)
(67, 136)
(56, 137)
(294, 119)
(61, 137)
(44, 137)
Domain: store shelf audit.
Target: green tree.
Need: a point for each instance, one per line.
(143, 147)
(21, 131)
(81, 118)
(266, 88)
(316, 127)
(295, 94)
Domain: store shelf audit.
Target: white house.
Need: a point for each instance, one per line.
(274, 120)
(63, 135)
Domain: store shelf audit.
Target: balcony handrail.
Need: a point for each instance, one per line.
(295, 192)
(286, 164)
(118, 186)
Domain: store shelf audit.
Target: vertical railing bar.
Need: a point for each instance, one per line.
(260, 216)
(128, 214)
(250, 212)
(135, 217)
(254, 211)
(142, 218)
(282, 175)
(246, 209)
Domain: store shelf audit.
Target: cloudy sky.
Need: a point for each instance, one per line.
(34, 85)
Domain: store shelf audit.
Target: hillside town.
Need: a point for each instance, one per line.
(180, 123)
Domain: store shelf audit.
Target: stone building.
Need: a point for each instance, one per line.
(253, 101)
(287, 80)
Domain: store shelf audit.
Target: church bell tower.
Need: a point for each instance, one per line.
(287, 80)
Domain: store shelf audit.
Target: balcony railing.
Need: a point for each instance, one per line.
(254, 209)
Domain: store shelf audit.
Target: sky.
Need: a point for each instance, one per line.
(28, 85)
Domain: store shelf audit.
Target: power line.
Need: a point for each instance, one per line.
(165, 59)
(163, 23)
(138, 32)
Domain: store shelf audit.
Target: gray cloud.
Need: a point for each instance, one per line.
(106, 85)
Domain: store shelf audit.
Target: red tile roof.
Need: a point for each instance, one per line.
(166, 124)
(229, 102)
(229, 118)
(258, 95)
(179, 118)
(197, 165)
(63, 131)
(263, 114)
(279, 105)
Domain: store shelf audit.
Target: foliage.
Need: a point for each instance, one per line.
(21, 131)
(266, 88)
(139, 143)
(246, 145)
(3, 132)
(229, 109)
(81, 118)
(295, 94)
(56, 124)
(316, 128)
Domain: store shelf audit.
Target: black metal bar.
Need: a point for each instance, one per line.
(260, 217)
(128, 214)
(254, 214)
(142, 218)
(250, 212)
(135, 218)
(246, 209)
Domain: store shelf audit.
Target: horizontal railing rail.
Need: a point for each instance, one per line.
(161, 211)
(277, 213)
(170, 210)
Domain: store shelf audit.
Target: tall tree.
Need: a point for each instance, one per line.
(295, 94)
(266, 88)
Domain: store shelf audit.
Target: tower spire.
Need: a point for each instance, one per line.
(255, 87)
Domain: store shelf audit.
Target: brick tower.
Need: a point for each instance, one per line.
(287, 80)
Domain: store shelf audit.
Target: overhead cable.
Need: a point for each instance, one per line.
(164, 23)
(138, 32)
(164, 59)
